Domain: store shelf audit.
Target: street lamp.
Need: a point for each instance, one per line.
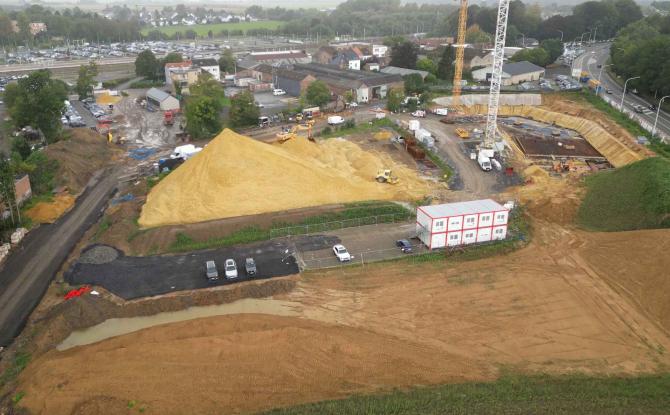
(658, 110)
(624, 91)
(523, 40)
(581, 39)
(561, 34)
(601, 74)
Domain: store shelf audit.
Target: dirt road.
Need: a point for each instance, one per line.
(30, 268)
(545, 308)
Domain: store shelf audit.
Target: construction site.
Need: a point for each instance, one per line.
(132, 322)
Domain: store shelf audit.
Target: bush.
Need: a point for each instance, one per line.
(327, 131)
(349, 124)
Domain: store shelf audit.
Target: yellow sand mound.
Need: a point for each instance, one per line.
(383, 135)
(235, 175)
(48, 212)
(106, 99)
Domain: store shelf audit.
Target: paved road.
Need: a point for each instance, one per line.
(598, 55)
(30, 267)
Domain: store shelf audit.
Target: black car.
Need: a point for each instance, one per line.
(404, 245)
(653, 107)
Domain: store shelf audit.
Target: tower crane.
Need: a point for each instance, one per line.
(460, 51)
(496, 75)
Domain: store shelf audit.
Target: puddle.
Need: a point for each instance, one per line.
(118, 326)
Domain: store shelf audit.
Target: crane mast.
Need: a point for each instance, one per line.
(460, 51)
(496, 74)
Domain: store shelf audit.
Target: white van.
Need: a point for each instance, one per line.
(277, 92)
(335, 120)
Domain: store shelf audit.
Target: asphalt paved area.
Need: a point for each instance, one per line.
(135, 277)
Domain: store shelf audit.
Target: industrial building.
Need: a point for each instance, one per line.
(162, 100)
(512, 73)
(462, 223)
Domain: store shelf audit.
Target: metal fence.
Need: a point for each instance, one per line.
(339, 224)
(646, 125)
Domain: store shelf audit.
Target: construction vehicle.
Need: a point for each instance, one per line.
(584, 76)
(293, 132)
(168, 118)
(594, 85)
(462, 133)
(386, 176)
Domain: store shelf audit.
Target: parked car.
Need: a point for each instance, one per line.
(638, 108)
(419, 114)
(211, 271)
(341, 253)
(230, 269)
(609, 91)
(404, 245)
(250, 267)
(277, 92)
(259, 105)
(335, 120)
(652, 107)
(352, 104)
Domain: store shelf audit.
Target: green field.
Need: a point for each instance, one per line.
(515, 394)
(636, 196)
(203, 29)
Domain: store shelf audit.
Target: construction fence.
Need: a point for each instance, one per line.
(339, 224)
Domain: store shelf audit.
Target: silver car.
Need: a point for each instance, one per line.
(211, 271)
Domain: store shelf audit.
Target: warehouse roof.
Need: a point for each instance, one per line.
(462, 208)
(518, 68)
(395, 70)
(157, 95)
(346, 78)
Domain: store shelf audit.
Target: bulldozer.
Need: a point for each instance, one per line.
(386, 176)
(293, 132)
(462, 133)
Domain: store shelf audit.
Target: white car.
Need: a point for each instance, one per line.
(231, 269)
(352, 104)
(341, 253)
(335, 120)
(277, 92)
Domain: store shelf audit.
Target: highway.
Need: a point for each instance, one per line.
(598, 55)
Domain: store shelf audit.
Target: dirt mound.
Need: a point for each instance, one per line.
(235, 175)
(80, 156)
(48, 212)
(308, 361)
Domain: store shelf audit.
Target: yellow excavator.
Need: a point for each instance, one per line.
(293, 132)
(386, 176)
(462, 133)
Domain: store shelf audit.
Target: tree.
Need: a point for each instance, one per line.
(86, 79)
(7, 191)
(404, 55)
(227, 61)
(426, 64)
(394, 99)
(203, 116)
(21, 147)
(414, 84)
(37, 101)
(554, 48)
(243, 110)
(538, 56)
(445, 68)
(146, 64)
(476, 35)
(318, 93)
(208, 86)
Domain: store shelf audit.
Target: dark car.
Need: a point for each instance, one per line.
(404, 245)
(250, 267)
(653, 107)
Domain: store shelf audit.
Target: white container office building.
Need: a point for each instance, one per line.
(462, 223)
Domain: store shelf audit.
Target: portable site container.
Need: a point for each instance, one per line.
(462, 223)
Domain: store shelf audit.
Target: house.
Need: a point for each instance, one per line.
(477, 58)
(263, 73)
(394, 70)
(365, 86)
(462, 223)
(514, 73)
(347, 59)
(379, 51)
(211, 66)
(294, 83)
(324, 55)
(173, 66)
(162, 100)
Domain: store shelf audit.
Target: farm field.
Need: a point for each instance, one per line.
(203, 29)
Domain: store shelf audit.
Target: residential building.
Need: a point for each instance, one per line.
(162, 100)
(211, 66)
(513, 73)
(365, 86)
(347, 59)
(462, 223)
(394, 70)
(477, 58)
(173, 66)
(379, 51)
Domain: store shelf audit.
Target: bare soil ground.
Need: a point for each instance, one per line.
(79, 157)
(545, 308)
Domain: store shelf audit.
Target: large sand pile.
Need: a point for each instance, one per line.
(235, 176)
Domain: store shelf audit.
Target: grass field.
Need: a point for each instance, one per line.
(512, 394)
(203, 29)
(636, 196)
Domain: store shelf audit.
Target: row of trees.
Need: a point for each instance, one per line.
(547, 53)
(68, 24)
(643, 49)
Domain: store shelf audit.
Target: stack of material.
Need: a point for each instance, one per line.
(236, 175)
(18, 235)
(4, 251)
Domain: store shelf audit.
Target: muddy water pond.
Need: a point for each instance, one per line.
(118, 326)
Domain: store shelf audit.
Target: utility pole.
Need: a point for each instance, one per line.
(624, 91)
(658, 111)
